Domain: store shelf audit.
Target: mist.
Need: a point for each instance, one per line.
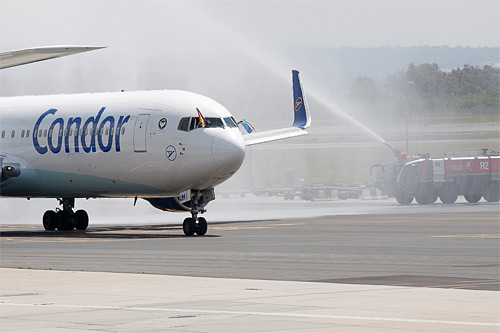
(241, 54)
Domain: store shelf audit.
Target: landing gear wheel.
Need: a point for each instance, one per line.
(189, 226)
(49, 220)
(201, 226)
(82, 220)
(65, 220)
(472, 198)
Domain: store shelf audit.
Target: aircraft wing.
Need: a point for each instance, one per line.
(302, 119)
(273, 135)
(26, 56)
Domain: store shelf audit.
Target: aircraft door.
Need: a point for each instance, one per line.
(140, 131)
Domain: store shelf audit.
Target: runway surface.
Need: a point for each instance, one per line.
(371, 248)
(417, 246)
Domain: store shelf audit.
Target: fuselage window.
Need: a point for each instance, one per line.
(112, 131)
(13, 134)
(123, 130)
(3, 134)
(107, 131)
(22, 134)
(28, 133)
(45, 133)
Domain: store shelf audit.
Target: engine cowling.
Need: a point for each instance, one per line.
(174, 204)
(171, 204)
(9, 169)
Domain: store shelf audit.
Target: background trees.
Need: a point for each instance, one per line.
(427, 91)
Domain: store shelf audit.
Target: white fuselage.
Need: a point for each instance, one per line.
(115, 144)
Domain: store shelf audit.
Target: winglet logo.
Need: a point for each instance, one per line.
(298, 103)
(162, 123)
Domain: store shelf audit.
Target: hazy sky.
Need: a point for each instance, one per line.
(311, 23)
(231, 51)
(237, 52)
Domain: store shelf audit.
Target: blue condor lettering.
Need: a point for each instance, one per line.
(57, 131)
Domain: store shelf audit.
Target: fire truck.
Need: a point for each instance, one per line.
(426, 179)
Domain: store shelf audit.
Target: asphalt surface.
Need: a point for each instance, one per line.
(433, 247)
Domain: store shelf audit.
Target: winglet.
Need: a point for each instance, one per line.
(302, 119)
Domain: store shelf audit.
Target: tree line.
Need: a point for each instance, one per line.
(426, 90)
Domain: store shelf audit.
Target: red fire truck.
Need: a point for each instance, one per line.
(427, 179)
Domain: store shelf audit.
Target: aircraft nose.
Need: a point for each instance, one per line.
(228, 150)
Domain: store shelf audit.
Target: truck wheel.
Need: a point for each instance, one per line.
(426, 194)
(448, 194)
(403, 198)
(472, 198)
(492, 192)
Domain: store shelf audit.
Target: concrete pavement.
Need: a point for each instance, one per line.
(52, 301)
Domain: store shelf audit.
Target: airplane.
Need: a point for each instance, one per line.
(168, 147)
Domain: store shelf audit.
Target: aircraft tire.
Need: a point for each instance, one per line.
(49, 220)
(201, 226)
(189, 226)
(65, 221)
(82, 220)
(472, 198)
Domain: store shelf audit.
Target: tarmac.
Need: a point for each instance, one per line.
(429, 268)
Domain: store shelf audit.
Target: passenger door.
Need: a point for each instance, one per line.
(140, 131)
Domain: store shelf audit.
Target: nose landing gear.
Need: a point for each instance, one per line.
(192, 226)
(65, 218)
(195, 224)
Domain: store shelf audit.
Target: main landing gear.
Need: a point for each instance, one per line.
(65, 218)
(195, 224)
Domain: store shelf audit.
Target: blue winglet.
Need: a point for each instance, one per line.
(301, 114)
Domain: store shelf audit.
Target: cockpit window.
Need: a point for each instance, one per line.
(214, 122)
(195, 121)
(191, 123)
(230, 122)
(184, 124)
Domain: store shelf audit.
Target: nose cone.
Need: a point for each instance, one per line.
(228, 151)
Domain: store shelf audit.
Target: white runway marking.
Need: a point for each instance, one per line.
(250, 313)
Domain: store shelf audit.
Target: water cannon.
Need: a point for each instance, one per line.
(397, 152)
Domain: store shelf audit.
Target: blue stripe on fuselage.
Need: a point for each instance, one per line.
(52, 184)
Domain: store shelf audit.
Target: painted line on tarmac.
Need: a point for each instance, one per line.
(247, 313)
(494, 236)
